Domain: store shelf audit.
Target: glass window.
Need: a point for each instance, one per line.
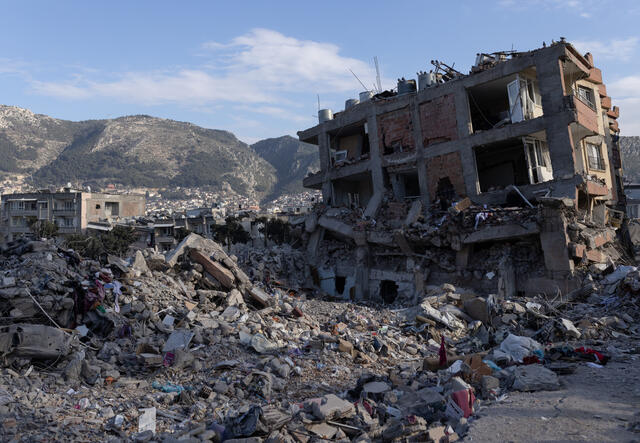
(594, 154)
(586, 95)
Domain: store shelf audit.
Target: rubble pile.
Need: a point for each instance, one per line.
(185, 346)
(283, 261)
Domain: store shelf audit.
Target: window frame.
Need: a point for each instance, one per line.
(595, 162)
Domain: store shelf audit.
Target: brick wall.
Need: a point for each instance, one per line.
(395, 129)
(447, 165)
(438, 120)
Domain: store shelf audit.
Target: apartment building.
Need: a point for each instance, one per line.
(536, 124)
(69, 209)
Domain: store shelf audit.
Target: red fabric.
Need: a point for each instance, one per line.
(443, 354)
(465, 399)
(599, 357)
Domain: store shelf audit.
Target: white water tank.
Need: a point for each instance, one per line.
(351, 103)
(365, 96)
(325, 115)
(426, 79)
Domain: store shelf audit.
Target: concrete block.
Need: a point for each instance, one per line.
(414, 213)
(577, 250)
(220, 273)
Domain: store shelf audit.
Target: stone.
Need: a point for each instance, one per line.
(569, 328)
(376, 387)
(535, 377)
(489, 383)
(140, 264)
(219, 272)
(332, 407)
(478, 309)
(323, 430)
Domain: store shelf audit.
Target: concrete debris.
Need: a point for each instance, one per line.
(200, 351)
(535, 378)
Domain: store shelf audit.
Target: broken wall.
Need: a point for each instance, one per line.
(438, 120)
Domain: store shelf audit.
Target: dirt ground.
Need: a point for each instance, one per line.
(594, 405)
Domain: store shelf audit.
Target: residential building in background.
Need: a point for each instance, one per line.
(71, 210)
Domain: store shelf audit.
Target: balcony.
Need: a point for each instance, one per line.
(164, 239)
(313, 180)
(585, 115)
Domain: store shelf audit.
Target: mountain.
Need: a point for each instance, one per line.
(134, 151)
(292, 160)
(630, 152)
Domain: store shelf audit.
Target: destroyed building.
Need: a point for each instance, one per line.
(467, 155)
(72, 211)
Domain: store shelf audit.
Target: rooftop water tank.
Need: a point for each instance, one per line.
(365, 96)
(351, 103)
(325, 115)
(426, 79)
(406, 86)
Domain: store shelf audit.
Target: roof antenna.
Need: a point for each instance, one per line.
(354, 74)
(318, 102)
(375, 60)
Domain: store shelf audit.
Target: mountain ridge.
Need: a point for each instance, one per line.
(141, 150)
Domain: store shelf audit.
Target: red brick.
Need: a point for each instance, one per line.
(396, 128)
(596, 256)
(447, 165)
(438, 120)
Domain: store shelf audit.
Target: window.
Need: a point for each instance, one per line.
(98, 206)
(69, 205)
(18, 221)
(112, 208)
(66, 222)
(586, 96)
(594, 154)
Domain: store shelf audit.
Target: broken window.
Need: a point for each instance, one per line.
(507, 100)
(388, 291)
(353, 192)
(349, 144)
(112, 208)
(594, 154)
(518, 161)
(411, 185)
(538, 160)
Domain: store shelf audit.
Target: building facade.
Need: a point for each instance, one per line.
(70, 210)
(536, 123)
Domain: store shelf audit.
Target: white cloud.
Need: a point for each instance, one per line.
(614, 49)
(625, 93)
(260, 67)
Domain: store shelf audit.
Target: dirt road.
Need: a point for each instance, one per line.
(594, 405)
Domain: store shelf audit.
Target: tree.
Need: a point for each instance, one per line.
(230, 233)
(43, 228)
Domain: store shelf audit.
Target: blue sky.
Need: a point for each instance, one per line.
(255, 68)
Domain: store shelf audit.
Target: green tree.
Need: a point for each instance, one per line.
(43, 228)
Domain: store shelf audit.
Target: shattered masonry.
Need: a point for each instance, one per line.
(522, 127)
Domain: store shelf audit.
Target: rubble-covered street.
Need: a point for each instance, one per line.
(185, 347)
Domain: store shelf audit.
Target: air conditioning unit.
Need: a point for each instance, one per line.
(340, 156)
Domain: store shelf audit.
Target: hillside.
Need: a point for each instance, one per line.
(135, 150)
(630, 152)
(291, 158)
